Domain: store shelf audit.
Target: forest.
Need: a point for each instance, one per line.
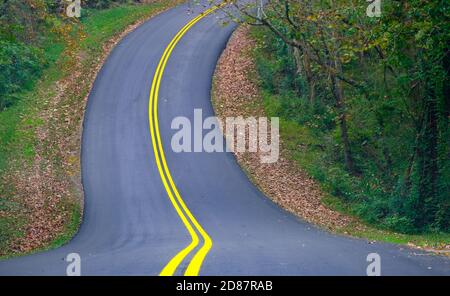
(369, 97)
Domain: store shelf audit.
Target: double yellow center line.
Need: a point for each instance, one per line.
(182, 210)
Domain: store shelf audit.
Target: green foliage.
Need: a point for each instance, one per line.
(20, 65)
(26, 27)
(102, 4)
(395, 89)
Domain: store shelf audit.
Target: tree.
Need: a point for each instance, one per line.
(387, 81)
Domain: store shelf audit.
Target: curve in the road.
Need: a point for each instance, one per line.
(129, 225)
(180, 206)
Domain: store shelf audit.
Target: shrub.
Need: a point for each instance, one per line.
(20, 66)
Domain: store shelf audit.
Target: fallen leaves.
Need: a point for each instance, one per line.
(235, 94)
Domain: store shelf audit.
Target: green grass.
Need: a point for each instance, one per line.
(376, 233)
(100, 25)
(71, 228)
(18, 124)
(10, 227)
(17, 143)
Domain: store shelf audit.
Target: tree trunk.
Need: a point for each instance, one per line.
(339, 97)
(447, 84)
(428, 158)
(304, 67)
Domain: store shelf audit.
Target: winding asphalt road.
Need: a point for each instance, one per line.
(131, 227)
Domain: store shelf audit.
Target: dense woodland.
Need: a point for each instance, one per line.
(373, 94)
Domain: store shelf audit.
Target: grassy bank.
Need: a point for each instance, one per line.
(40, 190)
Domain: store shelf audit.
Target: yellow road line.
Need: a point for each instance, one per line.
(171, 267)
(183, 211)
